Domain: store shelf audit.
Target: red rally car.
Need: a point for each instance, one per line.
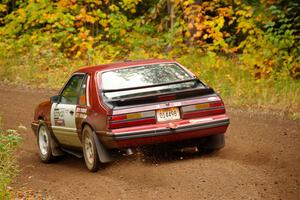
(126, 105)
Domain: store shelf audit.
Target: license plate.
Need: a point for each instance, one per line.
(167, 114)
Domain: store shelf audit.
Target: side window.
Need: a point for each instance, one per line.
(82, 93)
(70, 93)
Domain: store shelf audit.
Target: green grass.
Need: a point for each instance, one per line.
(9, 141)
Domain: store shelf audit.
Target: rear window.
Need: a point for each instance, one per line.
(146, 75)
(143, 76)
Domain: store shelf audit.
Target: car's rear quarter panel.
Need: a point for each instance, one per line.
(97, 113)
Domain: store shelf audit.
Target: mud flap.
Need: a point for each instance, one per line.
(103, 154)
(56, 151)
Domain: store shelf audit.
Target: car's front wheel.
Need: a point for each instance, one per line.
(89, 150)
(44, 143)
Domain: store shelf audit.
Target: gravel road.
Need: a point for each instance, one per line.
(261, 160)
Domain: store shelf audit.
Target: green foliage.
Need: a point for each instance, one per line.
(254, 44)
(274, 49)
(9, 141)
(233, 80)
(267, 32)
(73, 27)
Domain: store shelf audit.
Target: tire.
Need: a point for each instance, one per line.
(90, 153)
(44, 141)
(212, 143)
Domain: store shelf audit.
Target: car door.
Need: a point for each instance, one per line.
(63, 113)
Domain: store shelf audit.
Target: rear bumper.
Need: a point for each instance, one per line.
(185, 129)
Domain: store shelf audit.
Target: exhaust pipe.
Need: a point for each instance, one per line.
(129, 151)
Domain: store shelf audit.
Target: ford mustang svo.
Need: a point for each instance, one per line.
(129, 104)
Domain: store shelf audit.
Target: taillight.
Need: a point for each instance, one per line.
(132, 119)
(203, 109)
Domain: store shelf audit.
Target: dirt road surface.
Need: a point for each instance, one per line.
(261, 160)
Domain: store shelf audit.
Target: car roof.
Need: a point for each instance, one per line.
(123, 64)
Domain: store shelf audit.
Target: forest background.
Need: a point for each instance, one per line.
(248, 51)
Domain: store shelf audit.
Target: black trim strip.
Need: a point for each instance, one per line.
(174, 101)
(145, 134)
(202, 109)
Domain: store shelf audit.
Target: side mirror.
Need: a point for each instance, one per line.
(54, 99)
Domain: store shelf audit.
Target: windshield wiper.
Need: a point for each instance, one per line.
(148, 86)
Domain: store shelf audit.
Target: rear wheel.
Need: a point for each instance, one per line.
(89, 150)
(44, 143)
(212, 143)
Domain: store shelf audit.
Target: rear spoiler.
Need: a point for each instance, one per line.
(154, 97)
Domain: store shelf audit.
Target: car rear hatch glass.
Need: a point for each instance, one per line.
(147, 82)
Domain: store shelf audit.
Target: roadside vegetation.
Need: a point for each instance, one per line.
(9, 141)
(248, 51)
